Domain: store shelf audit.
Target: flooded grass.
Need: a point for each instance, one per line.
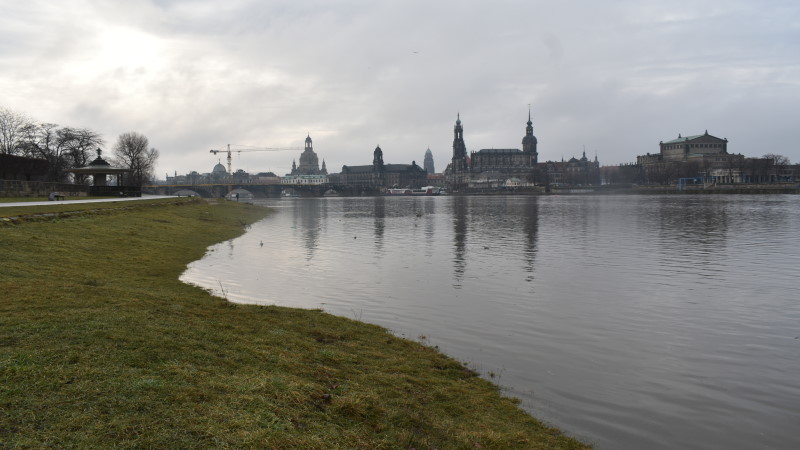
(101, 345)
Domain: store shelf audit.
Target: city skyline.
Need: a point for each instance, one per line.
(615, 78)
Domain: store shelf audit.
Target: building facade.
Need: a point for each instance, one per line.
(380, 175)
(304, 179)
(504, 167)
(699, 156)
(510, 161)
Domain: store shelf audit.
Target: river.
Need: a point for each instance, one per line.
(628, 321)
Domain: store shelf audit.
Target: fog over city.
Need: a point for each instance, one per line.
(612, 77)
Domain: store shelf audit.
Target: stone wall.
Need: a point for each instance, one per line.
(21, 188)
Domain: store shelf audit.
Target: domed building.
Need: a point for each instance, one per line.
(309, 162)
(219, 173)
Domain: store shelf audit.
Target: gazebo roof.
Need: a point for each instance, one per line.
(99, 166)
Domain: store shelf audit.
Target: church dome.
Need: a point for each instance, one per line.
(219, 169)
(532, 139)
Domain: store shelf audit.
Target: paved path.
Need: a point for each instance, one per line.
(101, 200)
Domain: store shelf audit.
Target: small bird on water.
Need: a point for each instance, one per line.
(261, 243)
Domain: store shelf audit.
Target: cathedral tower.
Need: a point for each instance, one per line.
(428, 163)
(378, 168)
(529, 142)
(377, 159)
(459, 167)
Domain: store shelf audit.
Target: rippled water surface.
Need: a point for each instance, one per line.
(630, 322)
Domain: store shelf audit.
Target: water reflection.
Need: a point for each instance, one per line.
(696, 229)
(430, 226)
(379, 212)
(459, 212)
(309, 215)
(530, 214)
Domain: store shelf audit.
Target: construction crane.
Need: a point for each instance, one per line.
(248, 149)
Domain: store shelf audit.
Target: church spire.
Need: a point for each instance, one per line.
(530, 124)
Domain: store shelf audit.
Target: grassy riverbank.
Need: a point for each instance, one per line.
(101, 345)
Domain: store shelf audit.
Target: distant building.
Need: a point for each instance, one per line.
(266, 178)
(241, 177)
(305, 179)
(428, 162)
(701, 155)
(435, 179)
(510, 161)
(380, 175)
(573, 172)
(219, 174)
(457, 173)
(497, 168)
(309, 162)
(685, 148)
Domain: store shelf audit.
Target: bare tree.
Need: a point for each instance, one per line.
(13, 129)
(133, 151)
(42, 141)
(78, 146)
(758, 169)
(63, 148)
(735, 166)
(779, 164)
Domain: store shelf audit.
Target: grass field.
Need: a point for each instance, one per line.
(43, 199)
(63, 206)
(102, 346)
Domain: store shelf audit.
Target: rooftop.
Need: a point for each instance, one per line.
(683, 139)
(499, 151)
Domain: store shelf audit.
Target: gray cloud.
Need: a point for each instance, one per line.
(615, 76)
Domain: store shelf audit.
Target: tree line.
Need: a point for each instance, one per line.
(65, 148)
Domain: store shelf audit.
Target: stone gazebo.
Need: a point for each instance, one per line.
(99, 169)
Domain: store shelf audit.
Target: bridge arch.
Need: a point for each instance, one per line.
(191, 193)
(240, 194)
(186, 193)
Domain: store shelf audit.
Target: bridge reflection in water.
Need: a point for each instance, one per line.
(257, 190)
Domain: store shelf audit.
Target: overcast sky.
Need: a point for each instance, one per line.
(616, 76)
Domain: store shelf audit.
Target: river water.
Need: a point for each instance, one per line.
(628, 321)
